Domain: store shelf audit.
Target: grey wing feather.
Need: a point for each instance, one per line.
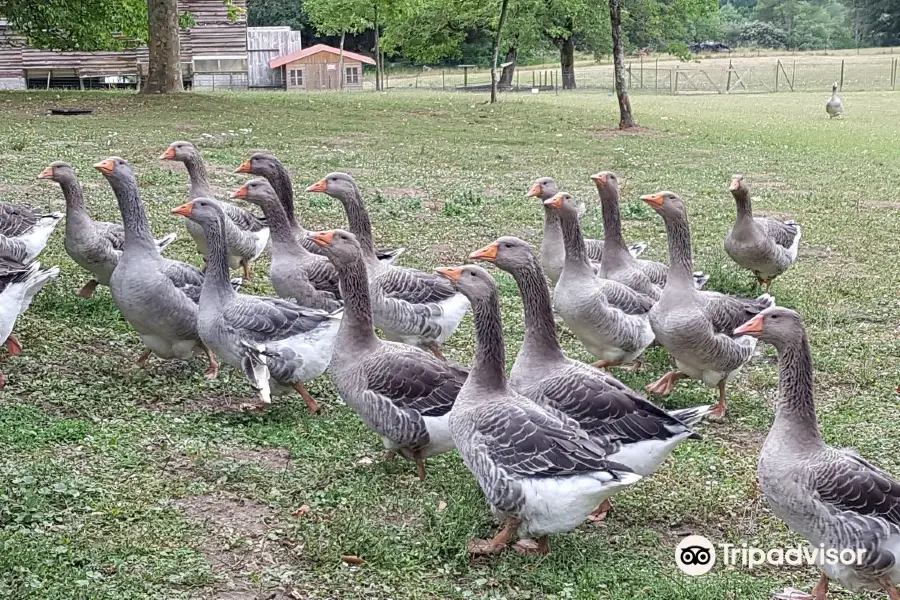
(783, 233)
(626, 299)
(655, 271)
(16, 219)
(187, 278)
(13, 248)
(244, 219)
(415, 381)
(853, 484)
(594, 249)
(113, 232)
(726, 312)
(324, 277)
(532, 442)
(415, 287)
(271, 319)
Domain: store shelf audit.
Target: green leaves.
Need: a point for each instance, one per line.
(78, 24)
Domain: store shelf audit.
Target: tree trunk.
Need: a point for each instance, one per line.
(626, 119)
(567, 62)
(164, 72)
(341, 63)
(496, 50)
(506, 76)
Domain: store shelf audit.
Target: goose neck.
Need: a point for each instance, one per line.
(680, 260)
(795, 412)
(217, 279)
(137, 228)
(540, 328)
(360, 224)
(573, 240)
(197, 175)
(489, 368)
(280, 180)
(744, 206)
(356, 324)
(612, 220)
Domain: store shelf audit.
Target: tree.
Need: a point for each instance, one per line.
(71, 25)
(340, 17)
(626, 119)
(266, 13)
(164, 66)
(496, 52)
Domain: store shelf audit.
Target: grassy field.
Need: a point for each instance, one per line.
(125, 482)
(867, 70)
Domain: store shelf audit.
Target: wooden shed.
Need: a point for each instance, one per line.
(316, 68)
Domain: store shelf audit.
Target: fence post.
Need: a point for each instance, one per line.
(442, 80)
(642, 72)
(793, 74)
(728, 82)
(656, 77)
(629, 76)
(517, 79)
(777, 63)
(673, 81)
(841, 87)
(532, 80)
(417, 81)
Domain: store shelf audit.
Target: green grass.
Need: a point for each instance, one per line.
(122, 482)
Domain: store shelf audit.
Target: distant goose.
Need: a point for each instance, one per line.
(834, 107)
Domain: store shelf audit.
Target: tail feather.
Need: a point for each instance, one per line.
(637, 249)
(389, 255)
(254, 364)
(768, 299)
(692, 416)
(700, 279)
(165, 241)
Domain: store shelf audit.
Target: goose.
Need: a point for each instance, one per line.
(833, 106)
(247, 235)
(18, 285)
(832, 497)
(400, 392)
(696, 327)
(640, 434)
(278, 345)
(416, 308)
(553, 253)
(644, 276)
(94, 245)
(264, 164)
(541, 473)
(763, 245)
(24, 233)
(311, 280)
(610, 319)
(156, 295)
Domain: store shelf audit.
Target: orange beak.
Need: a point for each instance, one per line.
(46, 173)
(535, 190)
(322, 239)
(488, 253)
(451, 273)
(735, 184)
(599, 178)
(752, 327)
(319, 186)
(244, 168)
(105, 166)
(555, 201)
(184, 210)
(653, 199)
(242, 192)
(169, 154)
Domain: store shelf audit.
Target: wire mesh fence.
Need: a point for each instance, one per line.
(720, 75)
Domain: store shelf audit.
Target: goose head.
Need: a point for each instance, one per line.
(340, 246)
(180, 152)
(666, 204)
(337, 185)
(778, 326)
(605, 180)
(543, 188)
(58, 171)
(256, 191)
(509, 253)
(564, 203)
(471, 281)
(262, 164)
(203, 211)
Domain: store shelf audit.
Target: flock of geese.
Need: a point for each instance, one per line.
(549, 443)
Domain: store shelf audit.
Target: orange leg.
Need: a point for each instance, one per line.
(420, 467)
(2, 381)
(213, 371)
(13, 345)
(821, 590)
(539, 546)
(718, 410)
(495, 544)
(89, 288)
(311, 403)
(886, 583)
(601, 512)
(143, 357)
(665, 384)
(603, 364)
(436, 350)
(246, 265)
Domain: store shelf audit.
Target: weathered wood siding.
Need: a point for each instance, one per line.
(264, 44)
(212, 35)
(318, 76)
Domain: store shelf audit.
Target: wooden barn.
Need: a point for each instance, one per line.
(213, 56)
(317, 68)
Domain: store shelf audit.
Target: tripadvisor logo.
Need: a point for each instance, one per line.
(695, 555)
